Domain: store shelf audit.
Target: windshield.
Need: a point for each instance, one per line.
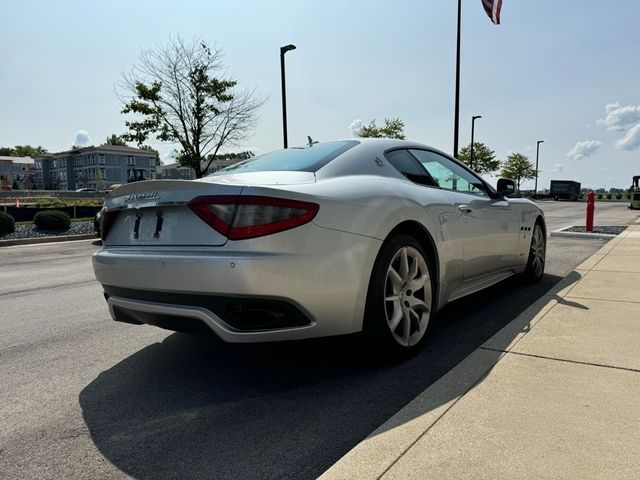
(309, 158)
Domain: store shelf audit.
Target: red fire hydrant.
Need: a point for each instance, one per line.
(591, 206)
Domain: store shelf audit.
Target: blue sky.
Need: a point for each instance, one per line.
(566, 72)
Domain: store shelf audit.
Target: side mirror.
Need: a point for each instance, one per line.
(505, 187)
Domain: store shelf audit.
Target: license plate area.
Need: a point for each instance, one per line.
(172, 225)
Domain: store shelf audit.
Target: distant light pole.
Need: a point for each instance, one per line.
(473, 121)
(284, 50)
(535, 189)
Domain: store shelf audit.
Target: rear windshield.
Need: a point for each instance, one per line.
(309, 158)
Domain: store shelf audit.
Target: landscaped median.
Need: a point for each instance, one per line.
(41, 217)
(48, 226)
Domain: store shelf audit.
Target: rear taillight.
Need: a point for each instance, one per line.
(241, 217)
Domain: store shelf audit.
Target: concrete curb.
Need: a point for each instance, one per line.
(33, 241)
(563, 233)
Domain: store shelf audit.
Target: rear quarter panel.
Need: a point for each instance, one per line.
(527, 213)
(373, 206)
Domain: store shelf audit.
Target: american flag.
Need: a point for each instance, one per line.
(493, 7)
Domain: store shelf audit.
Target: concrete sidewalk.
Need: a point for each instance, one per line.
(554, 394)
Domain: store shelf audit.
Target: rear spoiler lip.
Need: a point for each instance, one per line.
(162, 193)
(140, 186)
(136, 205)
(139, 205)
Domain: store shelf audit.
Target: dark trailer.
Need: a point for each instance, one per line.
(565, 190)
(634, 192)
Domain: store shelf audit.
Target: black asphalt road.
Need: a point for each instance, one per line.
(84, 397)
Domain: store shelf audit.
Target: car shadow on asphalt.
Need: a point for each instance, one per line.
(194, 407)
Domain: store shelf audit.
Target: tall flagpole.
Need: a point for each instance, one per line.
(457, 107)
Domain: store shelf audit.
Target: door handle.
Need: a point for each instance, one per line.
(465, 208)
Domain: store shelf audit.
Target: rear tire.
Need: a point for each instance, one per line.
(534, 271)
(400, 296)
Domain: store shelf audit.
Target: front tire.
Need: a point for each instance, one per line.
(537, 255)
(400, 296)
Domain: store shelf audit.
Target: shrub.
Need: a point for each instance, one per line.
(599, 196)
(608, 196)
(7, 225)
(618, 196)
(52, 220)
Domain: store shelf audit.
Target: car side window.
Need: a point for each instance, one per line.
(407, 165)
(448, 175)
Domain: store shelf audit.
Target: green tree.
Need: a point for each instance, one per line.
(177, 94)
(99, 181)
(393, 128)
(518, 168)
(152, 150)
(6, 151)
(116, 140)
(27, 151)
(6, 179)
(484, 159)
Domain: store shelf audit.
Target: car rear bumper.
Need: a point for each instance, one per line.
(308, 282)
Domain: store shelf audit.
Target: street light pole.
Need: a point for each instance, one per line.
(456, 120)
(473, 121)
(284, 50)
(535, 189)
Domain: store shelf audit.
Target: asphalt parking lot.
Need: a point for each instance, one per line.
(564, 214)
(84, 397)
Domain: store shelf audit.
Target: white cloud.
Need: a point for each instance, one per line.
(605, 169)
(610, 107)
(82, 139)
(631, 140)
(618, 117)
(584, 149)
(557, 168)
(355, 126)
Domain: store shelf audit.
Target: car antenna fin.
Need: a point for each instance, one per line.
(310, 141)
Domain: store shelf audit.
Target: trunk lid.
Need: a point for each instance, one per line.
(155, 213)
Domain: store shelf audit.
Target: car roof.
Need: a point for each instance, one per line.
(389, 143)
(367, 158)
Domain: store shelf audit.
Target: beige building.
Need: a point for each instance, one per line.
(17, 169)
(94, 167)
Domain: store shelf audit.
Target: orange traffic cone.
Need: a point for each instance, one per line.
(17, 202)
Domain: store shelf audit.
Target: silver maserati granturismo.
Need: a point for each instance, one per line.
(332, 238)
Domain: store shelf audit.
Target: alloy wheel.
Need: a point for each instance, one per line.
(407, 296)
(538, 248)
